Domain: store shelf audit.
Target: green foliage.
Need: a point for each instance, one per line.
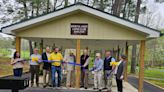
(155, 52)
(6, 43)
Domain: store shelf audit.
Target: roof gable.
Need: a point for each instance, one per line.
(79, 6)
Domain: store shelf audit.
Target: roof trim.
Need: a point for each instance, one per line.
(79, 6)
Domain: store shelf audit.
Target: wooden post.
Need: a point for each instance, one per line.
(141, 66)
(118, 52)
(78, 71)
(126, 68)
(18, 44)
(41, 46)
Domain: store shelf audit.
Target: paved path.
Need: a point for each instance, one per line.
(146, 88)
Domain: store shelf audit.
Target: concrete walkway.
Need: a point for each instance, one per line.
(127, 88)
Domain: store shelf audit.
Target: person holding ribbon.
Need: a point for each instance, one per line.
(84, 61)
(98, 70)
(71, 60)
(56, 58)
(119, 72)
(46, 68)
(35, 58)
(108, 69)
(17, 64)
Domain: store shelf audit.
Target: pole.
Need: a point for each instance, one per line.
(18, 44)
(78, 62)
(141, 66)
(126, 68)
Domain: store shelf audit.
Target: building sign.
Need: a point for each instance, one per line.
(79, 29)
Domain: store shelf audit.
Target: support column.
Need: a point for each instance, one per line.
(126, 68)
(18, 44)
(118, 52)
(141, 66)
(78, 71)
(41, 46)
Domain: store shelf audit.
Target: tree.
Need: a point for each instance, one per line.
(66, 3)
(134, 47)
(117, 7)
(48, 6)
(137, 11)
(124, 9)
(133, 59)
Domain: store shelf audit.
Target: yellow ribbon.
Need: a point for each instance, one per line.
(35, 59)
(113, 63)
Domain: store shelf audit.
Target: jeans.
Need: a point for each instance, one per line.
(18, 72)
(54, 70)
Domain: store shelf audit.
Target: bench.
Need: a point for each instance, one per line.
(14, 83)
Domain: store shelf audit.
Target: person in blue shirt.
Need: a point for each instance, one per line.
(98, 70)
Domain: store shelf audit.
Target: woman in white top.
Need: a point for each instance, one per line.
(17, 64)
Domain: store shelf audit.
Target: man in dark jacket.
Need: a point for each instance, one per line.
(108, 69)
(46, 68)
(84, 60)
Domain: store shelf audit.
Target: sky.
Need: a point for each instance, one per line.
(157, 8)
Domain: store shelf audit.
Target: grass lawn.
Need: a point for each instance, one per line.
(157, 82)
(153, 73)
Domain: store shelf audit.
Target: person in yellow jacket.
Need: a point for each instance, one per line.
(56, 58)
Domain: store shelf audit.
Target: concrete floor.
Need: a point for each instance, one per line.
(127, 88)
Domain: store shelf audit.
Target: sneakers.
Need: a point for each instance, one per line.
(85, 88)
(44, 86)
(32, 84)
(104, 88)
(95, 88)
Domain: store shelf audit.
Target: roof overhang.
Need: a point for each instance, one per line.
(152, 33)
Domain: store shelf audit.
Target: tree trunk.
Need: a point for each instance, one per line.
(133, 61)
(25, 9)
(117, 7)
(124, 9)
(75, 1)
(66, 3)
(37, 7)
(55, 2)
(102, 5)
(137, 11)
(32, 11)
(48, 5)
(87, 2)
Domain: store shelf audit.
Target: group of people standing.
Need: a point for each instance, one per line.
(103, 71)
(52, 64)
